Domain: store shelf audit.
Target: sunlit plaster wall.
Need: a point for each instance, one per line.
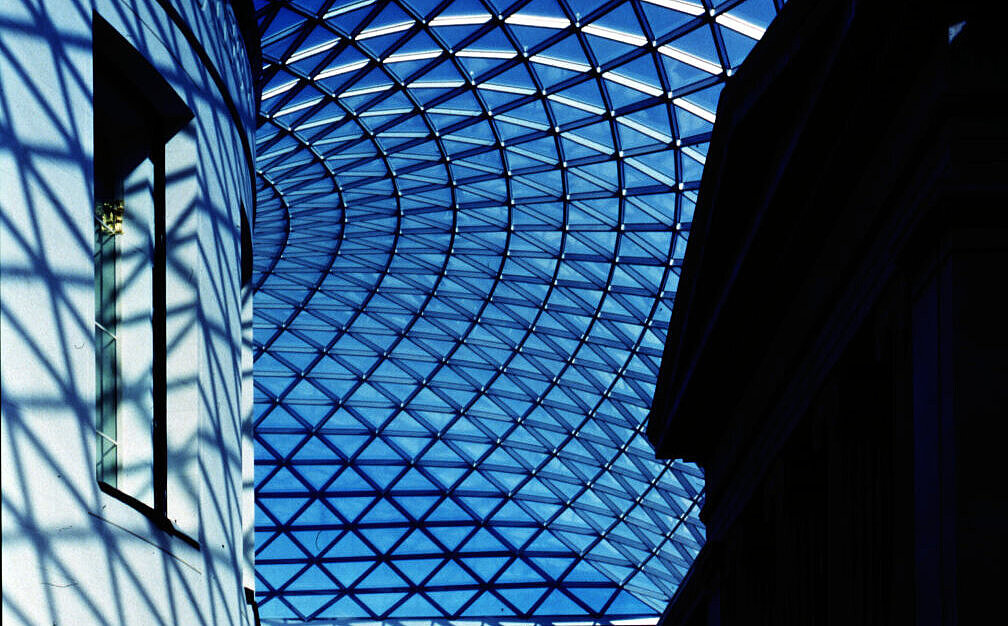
(71, 553)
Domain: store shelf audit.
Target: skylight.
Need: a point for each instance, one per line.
(471, 220)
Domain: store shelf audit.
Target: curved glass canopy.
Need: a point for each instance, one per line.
(471, 218)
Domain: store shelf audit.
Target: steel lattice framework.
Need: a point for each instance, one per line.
(471, 218)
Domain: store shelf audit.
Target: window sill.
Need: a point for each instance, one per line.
(156, 518)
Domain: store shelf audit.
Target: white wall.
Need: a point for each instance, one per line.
(71, 553)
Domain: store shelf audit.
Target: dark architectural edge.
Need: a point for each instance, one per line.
(838, 351)
(712, 258)
(244, 11)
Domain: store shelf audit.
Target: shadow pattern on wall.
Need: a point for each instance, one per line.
(71, 553)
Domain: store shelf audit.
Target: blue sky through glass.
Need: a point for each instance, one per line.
(471, 220)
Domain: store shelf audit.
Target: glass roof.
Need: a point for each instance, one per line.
(471, 221)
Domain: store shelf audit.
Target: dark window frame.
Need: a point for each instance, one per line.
(123, 77)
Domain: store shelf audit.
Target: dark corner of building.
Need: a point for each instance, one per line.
(838, 353)
(244, 11)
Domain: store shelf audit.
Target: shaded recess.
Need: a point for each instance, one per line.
(471, 220)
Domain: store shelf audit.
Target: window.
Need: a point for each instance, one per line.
(108, 224)
(142, 129)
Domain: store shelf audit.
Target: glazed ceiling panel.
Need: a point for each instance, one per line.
(471, 221)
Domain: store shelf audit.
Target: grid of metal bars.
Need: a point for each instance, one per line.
(471, 218)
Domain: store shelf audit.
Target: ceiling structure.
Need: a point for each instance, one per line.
(471, 219)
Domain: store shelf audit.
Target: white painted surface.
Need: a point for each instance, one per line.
(135, 335)
(72, 554)
(182, 328)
